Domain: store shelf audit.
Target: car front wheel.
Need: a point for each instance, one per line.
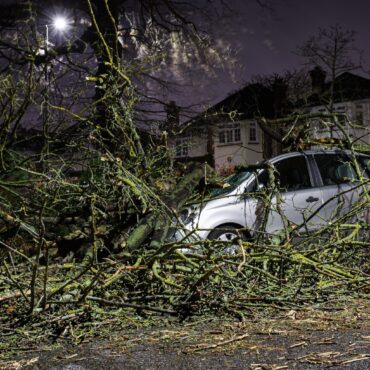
(230, 237)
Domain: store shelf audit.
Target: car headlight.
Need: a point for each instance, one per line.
(189, 215)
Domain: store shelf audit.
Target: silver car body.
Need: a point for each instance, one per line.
(313, 197)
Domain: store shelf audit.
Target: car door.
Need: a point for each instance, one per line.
(298, 199)
(340, 184)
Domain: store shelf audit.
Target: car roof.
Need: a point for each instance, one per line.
(315, 151)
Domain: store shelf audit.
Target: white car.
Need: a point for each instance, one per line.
(314, 187)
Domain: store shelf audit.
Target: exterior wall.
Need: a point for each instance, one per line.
(189, 145)
(227, 155)
(230, 149)
(357, 124)
(197, 146)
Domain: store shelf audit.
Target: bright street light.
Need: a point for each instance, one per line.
(60, 23)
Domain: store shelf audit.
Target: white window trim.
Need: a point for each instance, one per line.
(253, 125)
(182, 147)
(225, 129)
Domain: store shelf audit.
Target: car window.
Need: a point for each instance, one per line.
(365, 163)
(335, 169)
(293, 174)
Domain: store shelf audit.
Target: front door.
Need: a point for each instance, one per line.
(297, 202)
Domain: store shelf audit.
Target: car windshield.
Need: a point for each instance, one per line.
(230, 183)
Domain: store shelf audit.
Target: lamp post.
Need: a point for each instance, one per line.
(59, 24)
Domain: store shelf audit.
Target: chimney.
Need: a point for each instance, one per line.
(280, 96)
(317, 80)
(173, 114)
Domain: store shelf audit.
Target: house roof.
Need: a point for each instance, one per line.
(258, 100)
(255, 99)
(347, 87)
(251, 101)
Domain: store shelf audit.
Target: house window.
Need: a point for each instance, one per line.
(253, 138)
(229, 133)
(342, 117)
(237, 136)
(229, 136)
(359, 115)
(182, 147)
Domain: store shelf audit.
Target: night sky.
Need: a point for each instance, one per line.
(266, 39)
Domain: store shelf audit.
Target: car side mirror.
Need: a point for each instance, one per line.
(257, 188)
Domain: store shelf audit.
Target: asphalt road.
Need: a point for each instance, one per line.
(319, 350)
(309, 339)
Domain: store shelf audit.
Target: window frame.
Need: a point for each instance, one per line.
(359, 114)
(309, 174)
(311, 178)
(253, 126)
(229, 134)
(182, 147)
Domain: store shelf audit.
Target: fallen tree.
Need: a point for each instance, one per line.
(84, 217)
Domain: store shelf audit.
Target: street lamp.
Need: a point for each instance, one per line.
(59, 24)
